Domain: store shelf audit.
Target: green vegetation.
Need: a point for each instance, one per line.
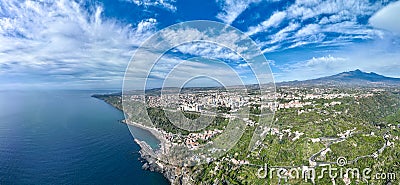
(369, 118)
(113, 99)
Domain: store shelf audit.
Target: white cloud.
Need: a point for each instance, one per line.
(325, 60)
(230, 39)
(336, 18)
(243, 65)
(167, 4)
(231, 9)
(146, 25)
(310, 34)
(313, 22)
(345, 9)
(273, 21)
(310, 29)
(352, 28)
(283, 33)
(61, 41)
(387, 18)
(270, 49)
(208, 50)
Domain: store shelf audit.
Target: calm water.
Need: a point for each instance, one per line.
(66, 137)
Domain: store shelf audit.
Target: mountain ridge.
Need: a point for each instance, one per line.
(349, 78)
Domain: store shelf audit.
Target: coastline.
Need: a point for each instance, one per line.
(147, 152)
(149, 155)
(156, 133)
(152, 130)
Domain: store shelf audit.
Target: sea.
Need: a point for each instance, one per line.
(67, 137)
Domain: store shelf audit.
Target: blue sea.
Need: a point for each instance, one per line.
(67, 137)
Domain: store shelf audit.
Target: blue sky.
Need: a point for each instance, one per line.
(88, 44)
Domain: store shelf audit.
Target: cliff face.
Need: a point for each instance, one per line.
(175, 175)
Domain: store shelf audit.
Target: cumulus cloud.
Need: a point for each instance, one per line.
(145, 25)
(325, 60)
(387, 18)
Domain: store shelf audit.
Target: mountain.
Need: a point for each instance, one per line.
(350, 78)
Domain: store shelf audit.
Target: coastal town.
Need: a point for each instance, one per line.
(318, 124)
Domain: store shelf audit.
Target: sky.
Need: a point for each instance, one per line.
(88, 44)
